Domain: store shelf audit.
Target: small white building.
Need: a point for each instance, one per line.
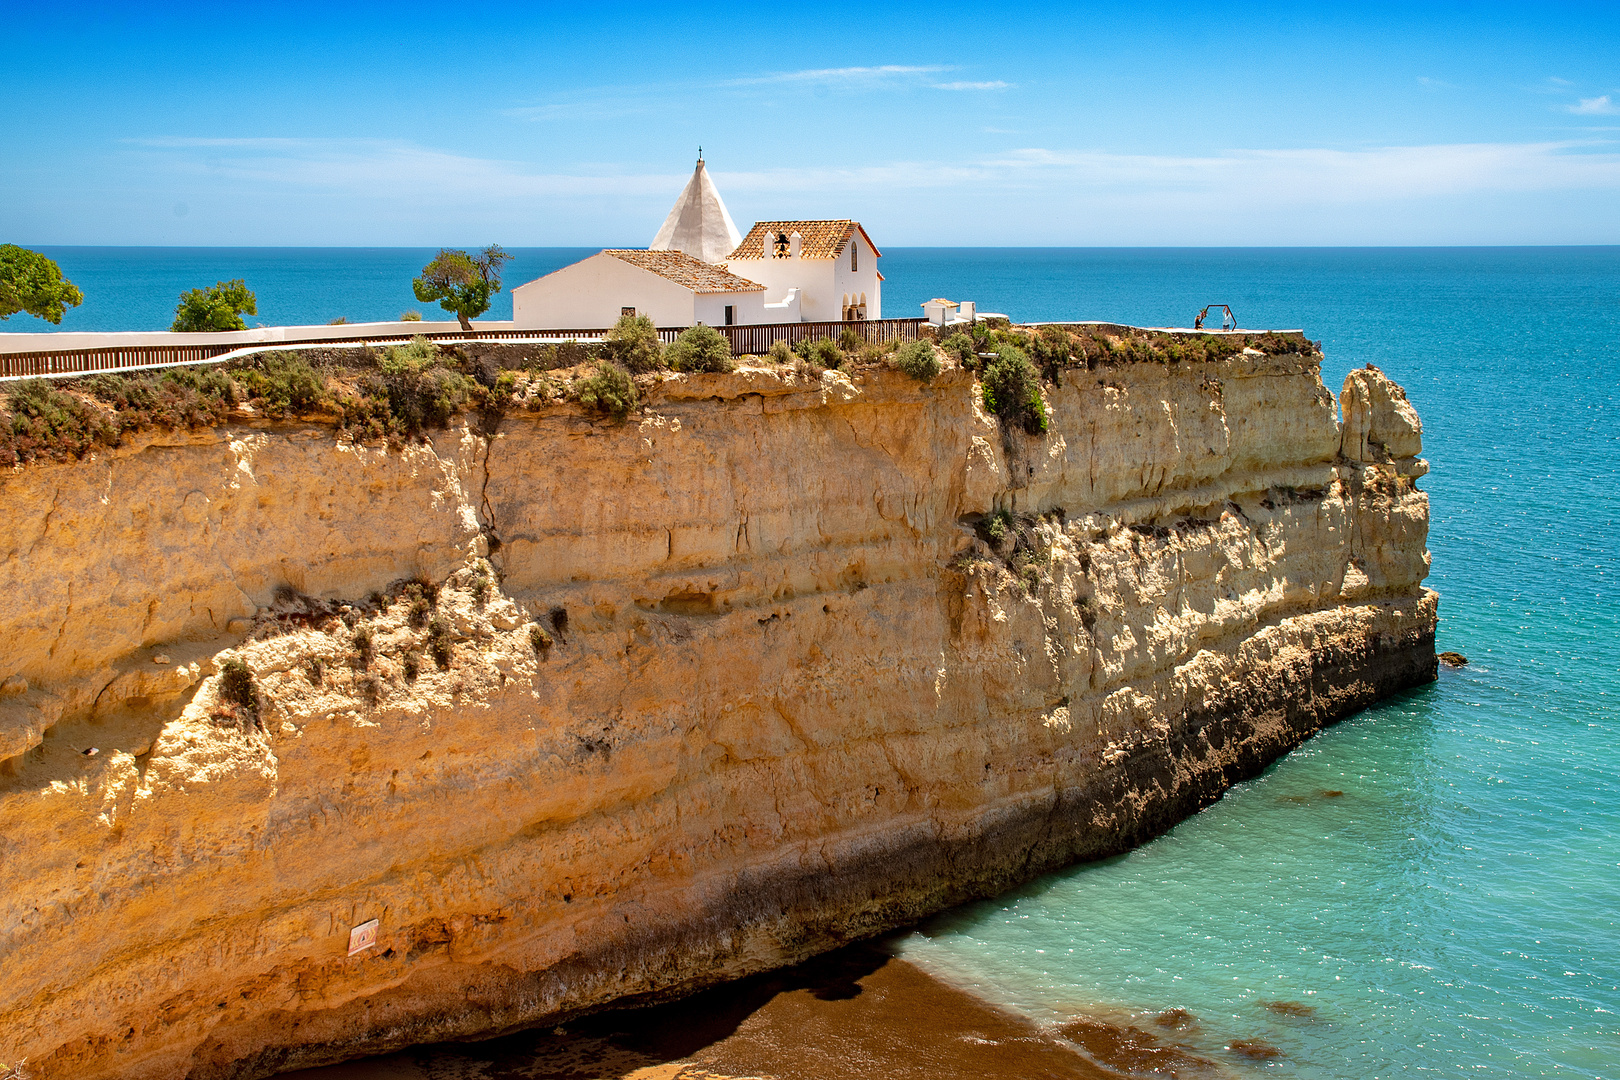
(670, 287)
(942, 312)
(832, 265)
(699, 270)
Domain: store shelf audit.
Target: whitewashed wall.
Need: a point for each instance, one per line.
(590, 293)
(818, 300)
(711, 308)
(20, 343)
(593, 292)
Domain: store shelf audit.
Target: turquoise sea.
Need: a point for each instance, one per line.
(1456, 910)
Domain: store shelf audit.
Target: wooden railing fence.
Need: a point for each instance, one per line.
(745, 341)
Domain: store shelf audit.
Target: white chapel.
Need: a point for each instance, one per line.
(698, 268)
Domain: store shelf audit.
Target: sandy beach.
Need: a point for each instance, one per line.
(859, 1012)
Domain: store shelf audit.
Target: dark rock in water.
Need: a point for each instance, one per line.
(1453, 659)
(1132, 1051)
(1332, 793)
(1291, 1008)
(1176, 1019)
(1255, 1049)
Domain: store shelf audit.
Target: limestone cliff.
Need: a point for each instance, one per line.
(780, 662)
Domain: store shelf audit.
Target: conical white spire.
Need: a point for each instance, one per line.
(699, 224)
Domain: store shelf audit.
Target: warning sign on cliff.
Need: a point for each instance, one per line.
(363, 937)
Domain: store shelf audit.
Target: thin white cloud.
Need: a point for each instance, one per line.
(1438, 84)
(610, 102)
(997, 85)
(840, 76)
(1596, 106)
(1307, 175)
(601, 109)
(1034, 194)
(178, 142)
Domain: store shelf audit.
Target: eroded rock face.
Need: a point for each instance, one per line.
(739, 682)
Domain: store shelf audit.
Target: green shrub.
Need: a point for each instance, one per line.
(819, 352)
(236, 686)
(418, 614)
(282, 383)
(50, 423)
(481, 584)
(633, 344)
(960, 347)
(539, 640)
(849, 339)
(410, 316)
(414, 389)
(872, 352)
(608, 389)
(1012, 390)
(411, 663)
(995, 527)
(917, 359)
(701, 348)
(410, 358)
(438, 642)
(422, 587)
(182, 398)
(780, 353)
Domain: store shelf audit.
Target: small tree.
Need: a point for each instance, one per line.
(218, 307)
(1012, 390)
(33, 283)
(462, 283)
(701, 348)
(634, 343)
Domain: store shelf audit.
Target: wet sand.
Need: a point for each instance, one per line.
(858, 1012)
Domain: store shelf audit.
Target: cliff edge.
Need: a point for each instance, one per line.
(583, 711)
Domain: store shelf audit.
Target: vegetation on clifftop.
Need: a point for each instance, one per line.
(402, 392)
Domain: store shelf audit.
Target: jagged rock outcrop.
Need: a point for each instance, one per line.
(781, 662)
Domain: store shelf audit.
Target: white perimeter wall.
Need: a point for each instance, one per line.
(589, 295)
(21, 343)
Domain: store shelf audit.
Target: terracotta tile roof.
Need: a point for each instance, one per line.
(821, 239)
(684, 270)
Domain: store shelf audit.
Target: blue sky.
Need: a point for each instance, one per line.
(300, 124)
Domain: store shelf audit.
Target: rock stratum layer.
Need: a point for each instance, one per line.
(806, 682)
